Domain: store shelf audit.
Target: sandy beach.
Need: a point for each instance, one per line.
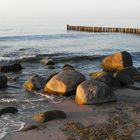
(122, 118)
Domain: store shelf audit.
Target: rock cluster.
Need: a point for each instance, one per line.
(117, 71)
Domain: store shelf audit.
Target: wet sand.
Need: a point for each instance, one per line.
(123, 116)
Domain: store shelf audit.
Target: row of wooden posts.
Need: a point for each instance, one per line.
(103, 29)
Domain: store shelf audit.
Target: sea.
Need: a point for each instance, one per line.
(27, 41)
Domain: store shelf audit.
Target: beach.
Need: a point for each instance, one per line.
(123, 114)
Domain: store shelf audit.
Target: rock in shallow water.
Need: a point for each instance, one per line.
(64, 83)
(34, 83)
(3, 81)
(49, 115)
(117, 61)
(11, 68)
(12, 110)
(47, 61)
(93, 92)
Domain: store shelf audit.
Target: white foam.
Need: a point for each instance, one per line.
(22, 126)
(3, 134)
(17, 58)
(7, 100)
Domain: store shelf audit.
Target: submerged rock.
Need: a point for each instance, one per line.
(117, 61)
(11, 68)
(3, 81)
(49, 115)
(65, 82)
(35, 83)
(136, 77)
(11, 110)
(125, 76)
(47, 61)
(94, 92)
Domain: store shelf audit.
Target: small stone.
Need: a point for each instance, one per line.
(49, 115)
(47, 61)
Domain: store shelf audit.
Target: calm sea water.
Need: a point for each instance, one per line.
(34, 39)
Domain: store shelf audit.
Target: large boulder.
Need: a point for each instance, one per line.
(117, 61)
(36, 82)
(49, 115)
(3, 81)
(11, 110)
(94, 92)
(126, 75)
(11, 68)
(65, 82)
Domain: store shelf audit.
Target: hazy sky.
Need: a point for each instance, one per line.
(70, 8)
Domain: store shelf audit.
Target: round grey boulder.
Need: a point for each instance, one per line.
(94, 92)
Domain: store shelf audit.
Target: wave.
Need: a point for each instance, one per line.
(58, 57)
(45, 37)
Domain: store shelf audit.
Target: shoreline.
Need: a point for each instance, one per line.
(124, 114)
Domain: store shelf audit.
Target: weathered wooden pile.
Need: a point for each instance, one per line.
(103, 29)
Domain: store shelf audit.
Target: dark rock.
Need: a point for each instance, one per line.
(47, 61)
(11, 68)
(94, 92)
(109, 80)
(11, 110)
(64, 83)
(3, 81)
(125, 76)
(117, 61)
(49, 115)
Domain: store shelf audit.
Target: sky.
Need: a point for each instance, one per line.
(111, 9)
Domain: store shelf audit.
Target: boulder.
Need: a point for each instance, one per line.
(11, 110)
(94, 92)
(3, 81)
(49, 115)
(109, 80)
(34, 83)
(64, 83)
(125, 76)
(11, 68)
(117, 61)
(47, 61)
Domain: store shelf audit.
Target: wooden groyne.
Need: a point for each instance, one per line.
(103, 29)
